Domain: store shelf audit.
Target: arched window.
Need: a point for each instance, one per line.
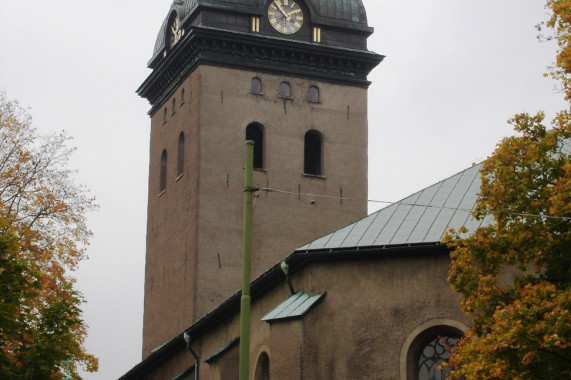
(173, 110)
(163, 178)
(285, 90)
(180, 160)
(181, 97)
(432, 355)
(165, 115)
(312, 153)
(426, 348)
(255, 132)
(263, 368)
(313, 94)
(256, 86)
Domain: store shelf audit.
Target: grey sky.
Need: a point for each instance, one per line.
(455, 71)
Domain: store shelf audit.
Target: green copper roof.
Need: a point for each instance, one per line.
(346, 10)
(295, 306)
(422, 218)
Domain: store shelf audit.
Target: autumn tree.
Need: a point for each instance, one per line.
(43, 236)
(515, 274)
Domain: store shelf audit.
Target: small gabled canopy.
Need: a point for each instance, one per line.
(294, 307)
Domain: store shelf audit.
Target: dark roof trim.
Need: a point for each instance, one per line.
(217, 47)
(222, 351)
(188, 11)
(267, 281)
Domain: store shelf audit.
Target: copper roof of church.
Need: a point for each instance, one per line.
(421, 218)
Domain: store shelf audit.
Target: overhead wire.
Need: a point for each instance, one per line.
(389, 203)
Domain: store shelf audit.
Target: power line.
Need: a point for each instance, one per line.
(270, 190)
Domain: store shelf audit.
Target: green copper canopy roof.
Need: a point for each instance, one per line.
(294, 307)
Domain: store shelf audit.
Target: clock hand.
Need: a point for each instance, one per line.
(280, 8)
(293, 12)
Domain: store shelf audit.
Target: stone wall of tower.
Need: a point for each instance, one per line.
(172, 215)
(281, 222)
(194, 238)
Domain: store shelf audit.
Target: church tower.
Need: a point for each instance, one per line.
(290, 75)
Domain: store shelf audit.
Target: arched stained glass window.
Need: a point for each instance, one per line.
(427, 347)
(432, 355)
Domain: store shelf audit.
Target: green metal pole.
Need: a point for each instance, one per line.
(245, 304)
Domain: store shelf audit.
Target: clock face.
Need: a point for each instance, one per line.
(285, 16)
(175, 32)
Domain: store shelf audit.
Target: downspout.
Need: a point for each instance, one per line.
(285, 268)
(186, 337)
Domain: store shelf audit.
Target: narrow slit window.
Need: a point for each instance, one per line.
(181, 97)
(165, 115)
(163, 175)
(180, 158)
(262, 371)
(312, 160)
(255, 132)
(173, 110)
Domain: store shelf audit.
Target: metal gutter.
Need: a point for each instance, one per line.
(218, 354)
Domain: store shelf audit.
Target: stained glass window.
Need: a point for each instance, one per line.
(432, 355)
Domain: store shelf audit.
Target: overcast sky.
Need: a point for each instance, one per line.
(454, 72)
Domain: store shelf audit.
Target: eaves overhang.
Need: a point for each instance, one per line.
(246, 51)
(269, 280)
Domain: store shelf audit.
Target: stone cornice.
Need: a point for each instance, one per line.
(245, 51)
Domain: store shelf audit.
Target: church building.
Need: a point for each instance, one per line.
(336, 294)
